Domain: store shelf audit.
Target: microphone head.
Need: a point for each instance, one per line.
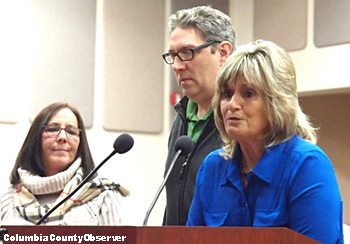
(185, 144)
(123, 143)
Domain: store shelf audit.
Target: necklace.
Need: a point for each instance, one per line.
(243, 175)
(242, 171)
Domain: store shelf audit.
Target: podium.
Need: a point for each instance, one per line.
(152, 235)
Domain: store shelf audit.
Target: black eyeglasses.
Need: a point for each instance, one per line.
(54, 130)
(185, 54)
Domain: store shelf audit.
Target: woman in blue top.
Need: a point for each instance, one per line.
(269, 172)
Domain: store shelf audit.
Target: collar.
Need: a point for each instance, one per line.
(269, 164)
(191, 112)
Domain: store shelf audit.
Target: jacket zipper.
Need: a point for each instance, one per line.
(183, 177)
(182, 172)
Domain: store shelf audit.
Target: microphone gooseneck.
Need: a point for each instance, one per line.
(183, 146)
(121, 145)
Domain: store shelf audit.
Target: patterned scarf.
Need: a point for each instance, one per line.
(30, 209)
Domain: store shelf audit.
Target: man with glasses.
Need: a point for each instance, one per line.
(201, 39)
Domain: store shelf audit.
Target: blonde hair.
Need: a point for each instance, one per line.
(271, 71)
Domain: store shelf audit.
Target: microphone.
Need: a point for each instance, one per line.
(121, 145)
(183, 146)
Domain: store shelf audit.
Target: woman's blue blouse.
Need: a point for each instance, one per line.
(293, 185)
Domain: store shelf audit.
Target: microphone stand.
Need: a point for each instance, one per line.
(76, 189)
(3, 231)
(161, 187)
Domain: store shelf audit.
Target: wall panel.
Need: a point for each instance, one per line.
(62, 55)
(332, 20)
(283, 22)
(133, 43)
(13, 59)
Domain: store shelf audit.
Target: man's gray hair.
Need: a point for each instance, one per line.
(211, 23)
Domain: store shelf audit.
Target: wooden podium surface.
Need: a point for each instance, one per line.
(152, 235)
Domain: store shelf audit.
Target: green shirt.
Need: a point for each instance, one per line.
(195, 125)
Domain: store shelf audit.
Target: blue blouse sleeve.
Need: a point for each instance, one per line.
(195, 215)
(315, 205)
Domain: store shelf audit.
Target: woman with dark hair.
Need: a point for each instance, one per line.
(269, 171)
(54, 158)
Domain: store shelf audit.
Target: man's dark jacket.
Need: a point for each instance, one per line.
(181, 182)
